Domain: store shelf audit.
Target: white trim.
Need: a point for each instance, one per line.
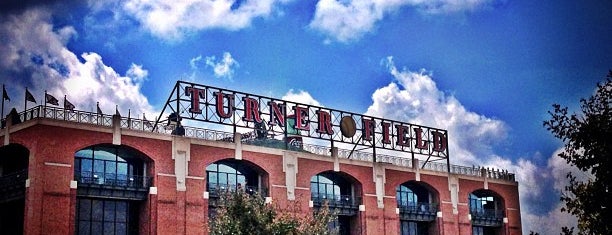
(153, 190)
(73, 184)
(57, 164)
(511, 209)
(164, 174)
(195, 177)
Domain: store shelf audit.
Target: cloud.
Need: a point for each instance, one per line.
(349, 20)
(223, 68)
(414, 97)
(171, 20)
(35, 54)
(302, 97)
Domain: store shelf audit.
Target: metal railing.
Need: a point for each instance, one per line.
(418, 211)
(335, 201)
(215, 189)
(418, 207)
(487, 217)
(106, 120)
(112, 179)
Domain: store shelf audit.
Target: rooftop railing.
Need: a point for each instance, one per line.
(56, 113)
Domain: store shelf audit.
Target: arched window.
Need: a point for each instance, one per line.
(110, 165)
(418, 208)
(230, 175)
(487, 212)
(112, 183)
(340, 195)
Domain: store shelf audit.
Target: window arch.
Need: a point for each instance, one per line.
(230, 174)
(341, 194)
(417, 203)
(112, 183)
(487, 212)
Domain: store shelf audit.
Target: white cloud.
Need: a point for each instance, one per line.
(350, 20)
(172, 19)
(223, 68)
(137, 73)
(302, 97)
(35, 53)
(415, 98)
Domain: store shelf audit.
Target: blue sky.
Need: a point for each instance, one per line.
(486, 70)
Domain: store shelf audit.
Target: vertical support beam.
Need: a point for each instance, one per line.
(415, 165)
(453, 186)
(334, 153)
(238, 146)
(379, 181)
(290, 167)
(116, 129)
(181, 155)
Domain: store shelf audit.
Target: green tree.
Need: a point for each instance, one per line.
(241, 213)
(587, 137)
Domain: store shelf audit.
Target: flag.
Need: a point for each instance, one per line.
(68, 105)
(98, 106)
(5, 94)
(50, 99)
(29, 96)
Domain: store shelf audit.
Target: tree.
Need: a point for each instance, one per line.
(588, 146)
(241, 213)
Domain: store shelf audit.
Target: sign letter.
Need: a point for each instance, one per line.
(385, 128)
(368, 129)
(324, 123)
(420, 143)
(277, 114)
(230, 104)
(402, 139)
(251, 110)
(301, 118)
(439, 141)
(195, 94)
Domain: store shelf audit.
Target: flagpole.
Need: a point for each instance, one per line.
(25, 106)
(45, 105)
(3, 90)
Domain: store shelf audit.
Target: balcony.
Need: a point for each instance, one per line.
(216, 190)
(340, 204)
(110, 185)
(487, 217)
(421, 211)
(12, 186)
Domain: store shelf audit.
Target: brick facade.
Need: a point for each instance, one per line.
(177, 202)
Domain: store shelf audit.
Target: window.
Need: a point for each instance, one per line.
(100, 216)
(111, 166)
(111, 187)
(223, 177)
(406, 197)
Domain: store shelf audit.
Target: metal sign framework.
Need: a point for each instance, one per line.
(197, 102)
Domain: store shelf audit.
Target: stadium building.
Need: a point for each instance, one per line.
(64, 171)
